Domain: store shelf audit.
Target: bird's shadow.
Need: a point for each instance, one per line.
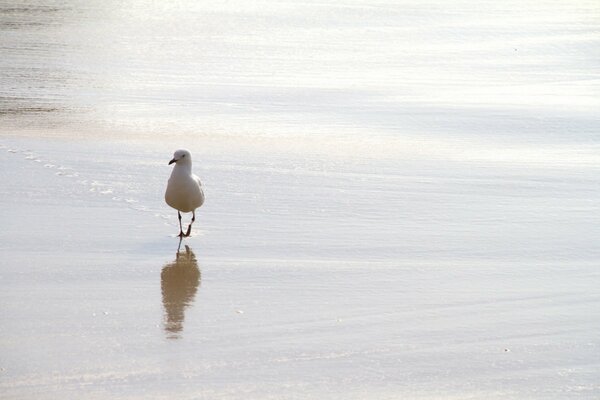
(179, 281)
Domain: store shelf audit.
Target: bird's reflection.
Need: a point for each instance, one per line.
(179, 282)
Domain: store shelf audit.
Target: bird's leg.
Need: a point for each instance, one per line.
(189, 229)
(180, 228)
(178, 247)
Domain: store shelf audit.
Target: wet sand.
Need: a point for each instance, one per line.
(300, 280)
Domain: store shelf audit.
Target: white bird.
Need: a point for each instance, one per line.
(184, 189)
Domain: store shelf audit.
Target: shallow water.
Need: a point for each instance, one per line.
(401, 200)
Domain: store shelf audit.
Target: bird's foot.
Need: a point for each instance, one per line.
(189, 231)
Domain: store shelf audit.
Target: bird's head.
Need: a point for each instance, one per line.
(181, 156)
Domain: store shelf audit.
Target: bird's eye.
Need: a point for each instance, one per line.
(183, 155)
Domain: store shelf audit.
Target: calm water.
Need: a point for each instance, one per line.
(427, 76)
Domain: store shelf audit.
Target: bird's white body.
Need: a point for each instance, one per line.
(184, 189)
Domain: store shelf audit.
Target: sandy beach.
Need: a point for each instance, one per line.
(406, 222)
(296, 281)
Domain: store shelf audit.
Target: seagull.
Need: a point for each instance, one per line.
(184, 189)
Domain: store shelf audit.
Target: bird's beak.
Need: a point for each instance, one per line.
(172, 161)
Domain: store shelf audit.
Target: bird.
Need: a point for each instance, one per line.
(184, 189)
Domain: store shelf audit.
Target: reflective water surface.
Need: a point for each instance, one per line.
(179, 282)
(515, 82)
